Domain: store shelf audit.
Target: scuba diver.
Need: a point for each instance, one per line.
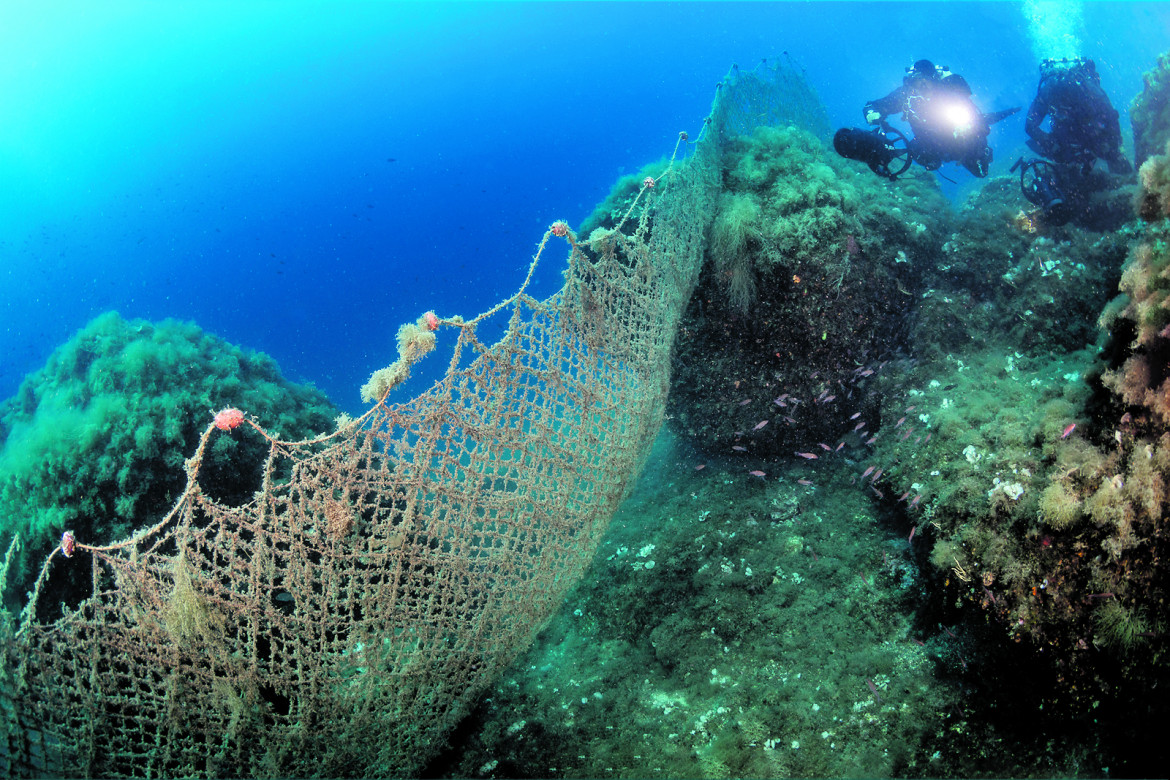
(947, 126)
(1083, 121)
(1083, 127)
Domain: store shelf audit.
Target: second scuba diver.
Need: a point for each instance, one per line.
(1082, 127)
(947, 126)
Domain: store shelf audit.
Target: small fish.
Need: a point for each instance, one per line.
(839, 446)
(914, 503)
(804, 482)
(830, 399)
(824, 446)
(867, 472)
(807, 455)
(871, 440)
(1071, 427)
(899, 423)
(760, 424)
(877, 475)
(738, 448)
(903, 496)
(855, 415)
(913, 528)
(779, 403)
(928, 437)
(700, 467)
(745, 402)
(910, 408)
(866, 372)
(859, 426)
(757, 473)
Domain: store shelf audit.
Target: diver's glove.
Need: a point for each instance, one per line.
(872, 117)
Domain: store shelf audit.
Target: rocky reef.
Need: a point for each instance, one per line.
(911, 518)
(94, 442)
(1149, 112)
(1138, 320)
(1153, 198)
(1033, 463)
(809, 282)
(1013, 420)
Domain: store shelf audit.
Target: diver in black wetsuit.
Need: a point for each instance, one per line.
(947, 126)
(1083, 123)
(1082, 128)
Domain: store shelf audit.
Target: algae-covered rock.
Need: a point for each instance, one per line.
(1138, 323)
(615, 210)
(807, 285)
(1004, 277)
(1149, 113)
(1043, 496)
(95, 441)
(1153, 199)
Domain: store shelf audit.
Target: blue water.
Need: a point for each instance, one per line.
(300, 178)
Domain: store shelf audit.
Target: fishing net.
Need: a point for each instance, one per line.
(344, 619)
(770, 94)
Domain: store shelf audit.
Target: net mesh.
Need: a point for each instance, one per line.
(772, 93)
(344, 619)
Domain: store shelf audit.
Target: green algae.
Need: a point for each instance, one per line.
(810, 271)
(95, 441)
(732, 627)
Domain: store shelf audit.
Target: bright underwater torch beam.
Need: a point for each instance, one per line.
(959, 116)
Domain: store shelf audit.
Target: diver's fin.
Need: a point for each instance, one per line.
(996, 116)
